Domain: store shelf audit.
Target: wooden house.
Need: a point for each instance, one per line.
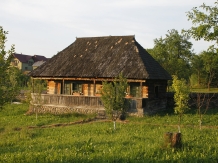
(74, 76)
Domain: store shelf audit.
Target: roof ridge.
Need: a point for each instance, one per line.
(21, 54)
(106, 36)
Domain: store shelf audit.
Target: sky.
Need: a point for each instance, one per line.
(45, 27)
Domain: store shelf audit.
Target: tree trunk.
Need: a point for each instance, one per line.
(173, 140)
(176, 140)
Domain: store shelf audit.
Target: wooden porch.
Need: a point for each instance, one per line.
(59, 104)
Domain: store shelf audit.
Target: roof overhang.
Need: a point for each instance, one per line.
(86, 79)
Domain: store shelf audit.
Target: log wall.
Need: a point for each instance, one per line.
(51, 87)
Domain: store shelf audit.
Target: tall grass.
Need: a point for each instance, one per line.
(136, 140)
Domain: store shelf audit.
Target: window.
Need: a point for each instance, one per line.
(135, 90)
(30, 63)
(77, 87)
(67, 88)
(15, 63)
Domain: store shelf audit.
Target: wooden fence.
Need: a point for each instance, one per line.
(66, 100)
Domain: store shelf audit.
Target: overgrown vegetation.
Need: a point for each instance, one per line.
(136, 140)
(7, 88)
(174, 51)
(11, 78)
(181, 97)
(113, 97)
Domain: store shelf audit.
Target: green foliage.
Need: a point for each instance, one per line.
(23, 80)
(97, 142)
(204, 21)
(108, 97)
(36, 86)
(33, 94)
(181, 96)
(7, 83)
(197, 79)
(204, 26)
(120, 86)
(113, 96)
(173, 53)
(205, 67)
(210, 61)
(15, 82)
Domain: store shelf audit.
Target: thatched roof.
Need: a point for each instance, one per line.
(103, 57)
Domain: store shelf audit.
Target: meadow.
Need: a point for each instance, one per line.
(55, 138)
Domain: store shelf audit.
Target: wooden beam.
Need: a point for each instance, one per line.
(63, 86)
(94, 91)
(89, 79)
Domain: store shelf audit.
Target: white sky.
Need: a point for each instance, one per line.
(45, 27)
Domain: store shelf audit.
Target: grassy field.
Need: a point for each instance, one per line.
(53, 138)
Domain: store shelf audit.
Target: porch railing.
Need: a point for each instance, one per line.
(66, 100)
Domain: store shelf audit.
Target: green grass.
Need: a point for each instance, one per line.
(136, 140)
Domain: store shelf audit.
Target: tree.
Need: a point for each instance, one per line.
(5, 59)
(205, 26)
(113, 97)
(108, 97)
(210, 61)
(14, 78)
(197, 67)
(202, 99)
(34, 94)
(173, 53)
(204, 21)
(181, 97)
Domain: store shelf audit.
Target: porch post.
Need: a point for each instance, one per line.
(141, 90)
(63, 86)
(94, 91)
